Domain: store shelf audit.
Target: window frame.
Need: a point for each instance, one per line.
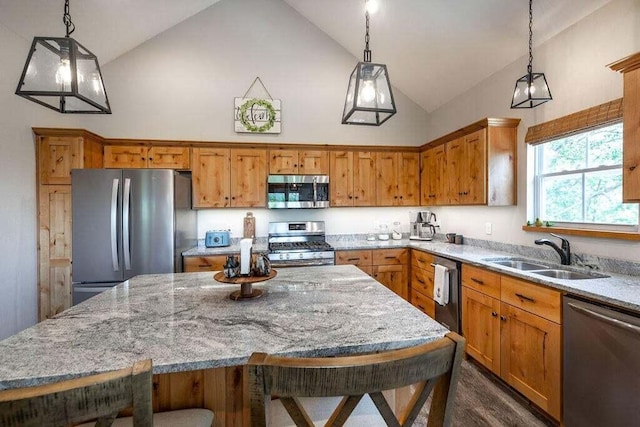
(538, 179)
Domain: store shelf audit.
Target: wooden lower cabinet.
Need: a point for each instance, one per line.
(388, 266)
(517, 336)
(203, 263)
(421, 283)
(530, 359)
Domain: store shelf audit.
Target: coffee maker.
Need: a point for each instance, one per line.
(423, 228)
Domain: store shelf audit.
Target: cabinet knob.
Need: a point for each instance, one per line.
(494, 314)
(351, 197)
(503, 318)
(295, 166)
(401, 197)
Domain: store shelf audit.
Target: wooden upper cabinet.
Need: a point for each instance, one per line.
(57, 156)
(352, 178)
(302, 162)
(474, 189)
(630, 67)
(211, 177)
(479, 164)
(341, 178)
(364, 178)
(433, 177)
(397, 179)
(138, 156)
(169, 158)
(248, 177)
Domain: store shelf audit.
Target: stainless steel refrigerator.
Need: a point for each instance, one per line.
(128, 222)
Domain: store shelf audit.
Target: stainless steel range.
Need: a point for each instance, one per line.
(298, 244)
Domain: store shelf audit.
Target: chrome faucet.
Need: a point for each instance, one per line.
(564, 252)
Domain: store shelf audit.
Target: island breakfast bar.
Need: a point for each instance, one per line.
(200, 339)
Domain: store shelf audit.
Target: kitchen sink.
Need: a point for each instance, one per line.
(568, 274)
(520, 264)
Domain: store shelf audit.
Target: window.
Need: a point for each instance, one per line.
(578, 181)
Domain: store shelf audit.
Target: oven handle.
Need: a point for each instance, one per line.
(299, 264)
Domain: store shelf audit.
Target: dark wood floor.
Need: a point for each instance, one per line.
(483, 401)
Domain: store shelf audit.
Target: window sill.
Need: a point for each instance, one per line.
(599, 234)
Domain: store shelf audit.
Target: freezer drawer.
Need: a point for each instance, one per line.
(82, 292)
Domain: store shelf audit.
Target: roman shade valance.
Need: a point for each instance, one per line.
(590, 118)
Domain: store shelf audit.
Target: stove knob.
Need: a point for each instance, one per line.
(300, 256)
(287, 256)
(281, 256)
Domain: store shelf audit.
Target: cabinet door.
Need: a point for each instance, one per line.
(426, 163)
(481, 328)
(248, 178)
(455, 170)
(393, 277)
(341, 178)
(390, 256)
(631, 137)
(313, 162)
(357, 257)
(364, 178)
(55, 250)
(438, 176)
(283, 162)
(211, 177)
(475, 171)
(58, 155)
(386, 179)
(169, 158)
(408, 179)
(204, 263)
(531, 357)
(125, 156)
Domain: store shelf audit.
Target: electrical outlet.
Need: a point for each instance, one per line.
(487, 227)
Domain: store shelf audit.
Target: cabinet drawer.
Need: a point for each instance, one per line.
(481, 280)
(354, 257)
(422, 260)
(422, 281)
(390, 256)
(424, 303)
(204, 263)
(535, 299)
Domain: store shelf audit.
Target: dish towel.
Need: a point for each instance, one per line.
(441, 285)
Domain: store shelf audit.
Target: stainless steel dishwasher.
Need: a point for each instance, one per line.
(449, 314)
(601, 384)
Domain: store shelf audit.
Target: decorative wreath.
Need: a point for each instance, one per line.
(262, 103)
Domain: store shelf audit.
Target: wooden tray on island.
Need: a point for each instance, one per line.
(246, 284)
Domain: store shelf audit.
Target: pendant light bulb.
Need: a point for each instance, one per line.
(371, 6)
(63, 74)
(368, 92)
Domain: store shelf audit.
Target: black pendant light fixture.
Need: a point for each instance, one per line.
(532, 88)
(63, 75)
(369, 96)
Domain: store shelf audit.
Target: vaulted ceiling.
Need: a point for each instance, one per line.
(435, 50)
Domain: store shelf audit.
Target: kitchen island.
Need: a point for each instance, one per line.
(199, 339)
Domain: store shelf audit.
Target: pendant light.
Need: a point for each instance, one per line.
(63, 75)
(532, 88)
(369, 97)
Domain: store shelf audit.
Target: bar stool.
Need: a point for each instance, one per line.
(100, 397)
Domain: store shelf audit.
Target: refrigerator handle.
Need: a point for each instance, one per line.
(125, 223)
(114, 224)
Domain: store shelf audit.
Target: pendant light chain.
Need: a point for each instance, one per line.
(367, 52)
(66, 18)
(530, 67)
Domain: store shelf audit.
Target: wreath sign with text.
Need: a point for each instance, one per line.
(257, 115)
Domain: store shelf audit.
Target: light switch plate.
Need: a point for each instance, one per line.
(488, 227)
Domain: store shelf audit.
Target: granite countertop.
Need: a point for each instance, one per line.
(620, 290)
(186, 321)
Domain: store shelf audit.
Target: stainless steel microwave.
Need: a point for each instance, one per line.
(297, 191)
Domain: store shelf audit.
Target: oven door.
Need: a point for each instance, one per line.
(297, 191)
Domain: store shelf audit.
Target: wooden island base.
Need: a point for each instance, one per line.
(222, 390)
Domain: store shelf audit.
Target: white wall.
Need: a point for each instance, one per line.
(574, 63)
(18, 302)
